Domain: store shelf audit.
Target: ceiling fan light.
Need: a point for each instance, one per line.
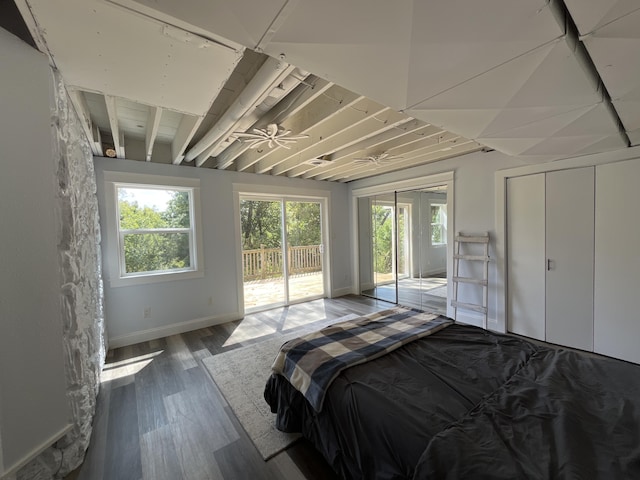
(318, 162)
(273, 135)
(376, 159)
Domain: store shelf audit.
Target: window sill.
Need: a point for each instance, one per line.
(155, 278)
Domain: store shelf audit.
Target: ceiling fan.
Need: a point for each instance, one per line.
(273, 135)
(376, 159)
(322, 161)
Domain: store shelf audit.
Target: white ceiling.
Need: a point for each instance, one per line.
(610, 31)
(423, 81)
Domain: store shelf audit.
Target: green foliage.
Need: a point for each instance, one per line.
(147, 252)
(403, 224)
(383, 231)
(177, 213)
(438, 224)
(382, 222)
(303, 224)
(262, 224)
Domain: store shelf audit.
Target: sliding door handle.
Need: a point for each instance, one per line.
(550, 264)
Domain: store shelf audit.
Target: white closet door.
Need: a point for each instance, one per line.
(617, 261)
(569, 246)
(526, 255)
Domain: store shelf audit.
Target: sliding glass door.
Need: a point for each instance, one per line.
(304, 250)
(282, 251)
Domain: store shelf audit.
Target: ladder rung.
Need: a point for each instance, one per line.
(472, 239)
(469, 306)
(482, 258)
(477, 281)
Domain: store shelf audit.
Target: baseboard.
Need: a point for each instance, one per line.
(173, 329)
(431, 273)
(339, 292)
(476, 319)
(18, 464)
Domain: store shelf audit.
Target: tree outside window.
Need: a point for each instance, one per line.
(438, 224)
(155, 230)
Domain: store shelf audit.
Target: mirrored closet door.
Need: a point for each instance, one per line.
(403, 248)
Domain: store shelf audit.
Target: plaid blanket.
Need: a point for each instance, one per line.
(310, 363)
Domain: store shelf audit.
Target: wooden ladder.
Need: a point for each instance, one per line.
(463, 254)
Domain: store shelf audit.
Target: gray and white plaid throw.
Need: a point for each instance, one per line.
(313, 361)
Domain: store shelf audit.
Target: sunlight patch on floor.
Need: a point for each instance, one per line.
(130, 366)
(277, 320)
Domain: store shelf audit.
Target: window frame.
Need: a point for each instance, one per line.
(118, 276)
(443, 225)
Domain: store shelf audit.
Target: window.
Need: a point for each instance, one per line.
(155, 231)
(438, 224)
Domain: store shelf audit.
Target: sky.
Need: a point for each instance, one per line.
(147, 197)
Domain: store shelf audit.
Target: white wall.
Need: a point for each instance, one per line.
(183, 305)
(33, 403)
(474, 207)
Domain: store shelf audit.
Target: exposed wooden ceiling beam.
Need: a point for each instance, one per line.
(270, 74)
(96, 145)
(360, 111)
(244, 124)
(344, 155)
(299, 98)
(355, 131)
(323, 108)
(408, 152)
(467, 146)
(116, 134)
(405, 140)
(186, 130)
(79, 103)
(392, 132)
(153, 122)
(420, 157)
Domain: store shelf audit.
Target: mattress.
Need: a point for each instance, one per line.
(468, 403)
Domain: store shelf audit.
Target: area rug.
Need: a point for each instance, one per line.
(241, 375)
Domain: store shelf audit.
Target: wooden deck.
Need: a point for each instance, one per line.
(261, 293)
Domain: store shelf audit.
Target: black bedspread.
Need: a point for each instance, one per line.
(466, 403)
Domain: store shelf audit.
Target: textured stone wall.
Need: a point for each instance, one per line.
(81, 293)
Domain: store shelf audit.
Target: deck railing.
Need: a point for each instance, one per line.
(267, 262)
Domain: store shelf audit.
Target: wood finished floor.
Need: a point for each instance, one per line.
(412, 292)
(160, 415)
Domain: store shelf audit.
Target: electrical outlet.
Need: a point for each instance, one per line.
(147, 312)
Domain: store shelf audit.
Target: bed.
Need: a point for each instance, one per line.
(463, 402)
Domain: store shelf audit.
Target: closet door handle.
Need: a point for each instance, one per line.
(549, 264)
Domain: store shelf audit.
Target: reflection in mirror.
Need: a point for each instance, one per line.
(383, 222)
(365, 246)
(403, 248)
(377, 227)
